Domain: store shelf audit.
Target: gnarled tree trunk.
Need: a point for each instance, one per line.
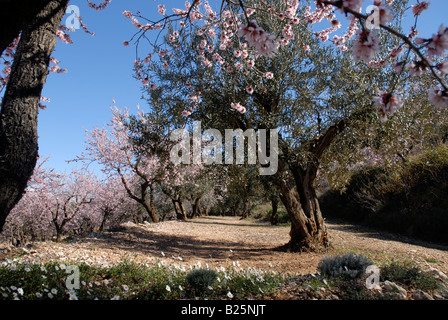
(196, 206)
(179, 209)
(19, 109)
(308, 230)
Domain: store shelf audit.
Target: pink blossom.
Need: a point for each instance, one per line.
(385, 14)
(420, 7)
(127, 14)
(237, 106)
(212, 32)
(416, 68)
(161, 9)
(162, 53)
(207, 62)
(269, 75)
(6, 70)
(365, 46)
(250, 11)
(258, 38)
(186, 113)
(439, 98)
(439, 42)
(354, 5)
(180, 12)
(387, 104)
(249, 89)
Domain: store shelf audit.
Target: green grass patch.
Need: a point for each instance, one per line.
(129, 281)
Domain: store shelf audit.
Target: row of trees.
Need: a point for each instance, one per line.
(320, 100)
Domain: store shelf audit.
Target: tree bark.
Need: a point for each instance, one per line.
(274, 216)
(308, 230)
(196, 206)
(180, 212)
(19, 109)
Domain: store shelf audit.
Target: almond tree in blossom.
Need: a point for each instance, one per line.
(56, 203)
(112, 203)
(138, 165)
(27, 220)
(65, 197)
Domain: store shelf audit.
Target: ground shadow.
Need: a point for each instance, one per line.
(143, 241)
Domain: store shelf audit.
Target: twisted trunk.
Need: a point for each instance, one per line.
(19, 109)
(196, 206)
(308, 231)
(298, 195)
(179, 209)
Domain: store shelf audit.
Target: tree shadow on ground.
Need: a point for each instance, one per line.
(143, 241)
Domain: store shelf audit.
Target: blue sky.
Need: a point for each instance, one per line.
(100, 69)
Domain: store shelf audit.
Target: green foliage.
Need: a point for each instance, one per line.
(129, 281)
(410, 275)
(410, 199)
(201, 279)
(347, 266)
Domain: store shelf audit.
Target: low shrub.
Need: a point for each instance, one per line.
(409, 275)
(347, 266)
(201, 279)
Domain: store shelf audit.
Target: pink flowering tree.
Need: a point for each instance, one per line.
(56, 204)
(66, 198)
(113, 203)
(184, 182)
(27, 220)
(119, 151)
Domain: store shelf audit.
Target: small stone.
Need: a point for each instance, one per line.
(443, 293)
(395, 288)
(421, 295)
(439, 274)
(438, 297)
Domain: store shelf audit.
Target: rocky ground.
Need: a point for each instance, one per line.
(220, 241)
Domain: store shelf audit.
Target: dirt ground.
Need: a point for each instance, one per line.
(221, 241)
